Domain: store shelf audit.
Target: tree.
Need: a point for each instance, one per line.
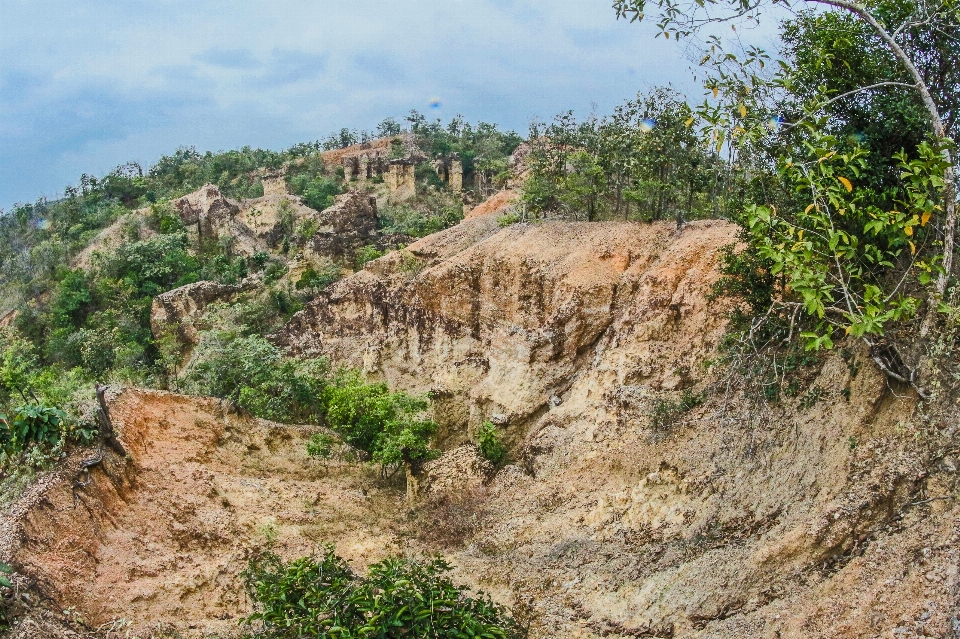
(645, 156)
(683, 18)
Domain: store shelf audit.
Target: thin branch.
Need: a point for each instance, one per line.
(847, 94)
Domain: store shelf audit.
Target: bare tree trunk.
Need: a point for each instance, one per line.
(106, 425)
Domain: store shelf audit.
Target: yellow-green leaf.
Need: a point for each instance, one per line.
(743, 111)
(846, 183)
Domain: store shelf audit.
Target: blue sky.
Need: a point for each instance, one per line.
(85, 86)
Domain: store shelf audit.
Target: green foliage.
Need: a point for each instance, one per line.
(317, 280)
(6, 569)
(834, 53)
(322, 597)
(367, 254)
(643, 162)
(32, 424)
(430, 212)
(321, 445)
(835, 255)
(387, 426)
(318, 191)
(666, 412)
(507, 219)
(253, 373)
(482, 148)
(489, 444)
(187, 170)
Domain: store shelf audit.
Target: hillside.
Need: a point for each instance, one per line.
(625, 508)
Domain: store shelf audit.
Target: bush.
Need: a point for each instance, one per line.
(507, 219)
(323, 597)
(321, 446)
(32, 424)
(253, 373)
(317, 279)
(385, 425)
(429, 213)
(489, 443)
(665, 412)
(318, 192)
(367, 254)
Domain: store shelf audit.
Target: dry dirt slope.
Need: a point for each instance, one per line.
(827, 515)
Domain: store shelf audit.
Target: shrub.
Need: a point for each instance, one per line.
(253, 373)
(429, 213)
(317, 192)
(323, 597)
(507, 219)
(489, 443)
(321, 446)
(319, 278)
(385, 425)
(367, 254)
(665, 412)
(32, 424)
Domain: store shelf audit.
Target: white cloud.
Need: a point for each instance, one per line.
(86, 86)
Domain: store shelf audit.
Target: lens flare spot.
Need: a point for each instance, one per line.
(647, 124)
(44, 225)
(435, 103)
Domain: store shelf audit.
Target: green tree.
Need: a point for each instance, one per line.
(895, 25)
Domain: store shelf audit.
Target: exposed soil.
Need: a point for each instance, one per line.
(163, 537)
(829, 513)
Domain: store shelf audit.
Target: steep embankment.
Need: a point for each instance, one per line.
(821, 515)
(160, 540)
(817, 516)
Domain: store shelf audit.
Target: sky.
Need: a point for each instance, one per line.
(86, 86)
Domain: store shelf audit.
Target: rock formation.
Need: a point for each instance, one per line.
(207, 210)
(345, 227)
(175, 312)
(400, 179)
(818, 516)
(831, 512)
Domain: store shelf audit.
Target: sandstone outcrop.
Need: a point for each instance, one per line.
(496, 321)
(207, 210)
(821, 515)
(345, 227)
(830, 512)
(174, 312)
(160, 539)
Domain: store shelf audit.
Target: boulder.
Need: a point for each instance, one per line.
(345, 227)
(175, 311)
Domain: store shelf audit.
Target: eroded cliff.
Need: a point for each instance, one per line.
(830, 513)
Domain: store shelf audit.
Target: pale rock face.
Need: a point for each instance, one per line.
(496, 323)
(206, 209)
(400, 180)
(345, 227)
(739, 519)
(274, 185)
(176, 311)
